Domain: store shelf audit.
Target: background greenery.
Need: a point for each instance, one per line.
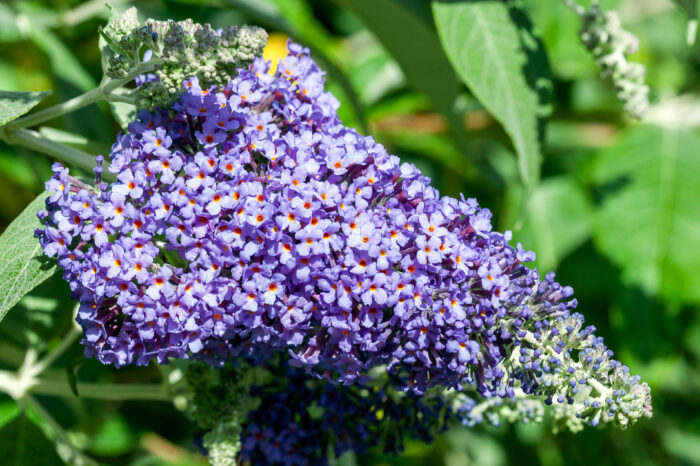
(616, 211)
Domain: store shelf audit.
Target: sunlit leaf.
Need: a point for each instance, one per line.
(493, 49)
(649, 220)
(14, 104)
(22, 264)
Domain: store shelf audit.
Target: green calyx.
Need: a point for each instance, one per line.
(179, 50)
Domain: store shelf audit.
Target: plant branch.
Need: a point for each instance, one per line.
(116, 392)
(101, 92)
(68, 340)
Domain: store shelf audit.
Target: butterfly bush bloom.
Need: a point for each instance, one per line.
(248, 220)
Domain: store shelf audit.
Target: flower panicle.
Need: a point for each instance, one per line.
(248, 221)
(602, 34)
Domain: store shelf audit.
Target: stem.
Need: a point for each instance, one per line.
(120, 98)
(101, 391)
(95, 95)
(90, 97)
(68, 340)
(35, 141)
(76, 456)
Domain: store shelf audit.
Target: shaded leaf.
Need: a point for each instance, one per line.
(14, 104)
(23, 443)
(557, 221)
(649, 220)
(64, 63)
(493, 49)
(22, 263)
(411, 40)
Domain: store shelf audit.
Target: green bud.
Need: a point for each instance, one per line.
(180, 50)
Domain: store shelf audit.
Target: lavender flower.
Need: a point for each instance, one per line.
(248, 220)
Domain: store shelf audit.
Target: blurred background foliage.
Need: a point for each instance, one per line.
(616, 212)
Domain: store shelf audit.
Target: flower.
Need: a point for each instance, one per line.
(265, 246)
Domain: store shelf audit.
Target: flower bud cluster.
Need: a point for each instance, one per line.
(521, 408)
(603, 35)
(248, 220)
(178, 50)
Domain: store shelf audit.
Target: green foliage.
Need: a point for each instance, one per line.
(14, 104)
(423, 62)
(649, 219)
(22, 263)
(493, 49)
(23, 443)
(556, 222)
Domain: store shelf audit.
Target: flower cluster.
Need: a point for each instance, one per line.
(174, 51)
(248, 220)
(610, 44)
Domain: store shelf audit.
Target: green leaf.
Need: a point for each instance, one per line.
(23, 443)
(14, 104)
(556, 222)
(493, 49)
(649, 220)
(64, 63)
(412, 41)
(22, 263)
(113, 438)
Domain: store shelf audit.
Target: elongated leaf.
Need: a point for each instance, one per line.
(415, 46)
(557, 221)
(63, 62)
(492, 48)
(14, 104)
(22, 264)
(23, 443)
(649, 220)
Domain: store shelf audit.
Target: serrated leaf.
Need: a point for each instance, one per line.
(649, 220)
(493, 49)
(23, 443)
(22, 262)
(14, 104)
(411, 40)
(557, 221)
